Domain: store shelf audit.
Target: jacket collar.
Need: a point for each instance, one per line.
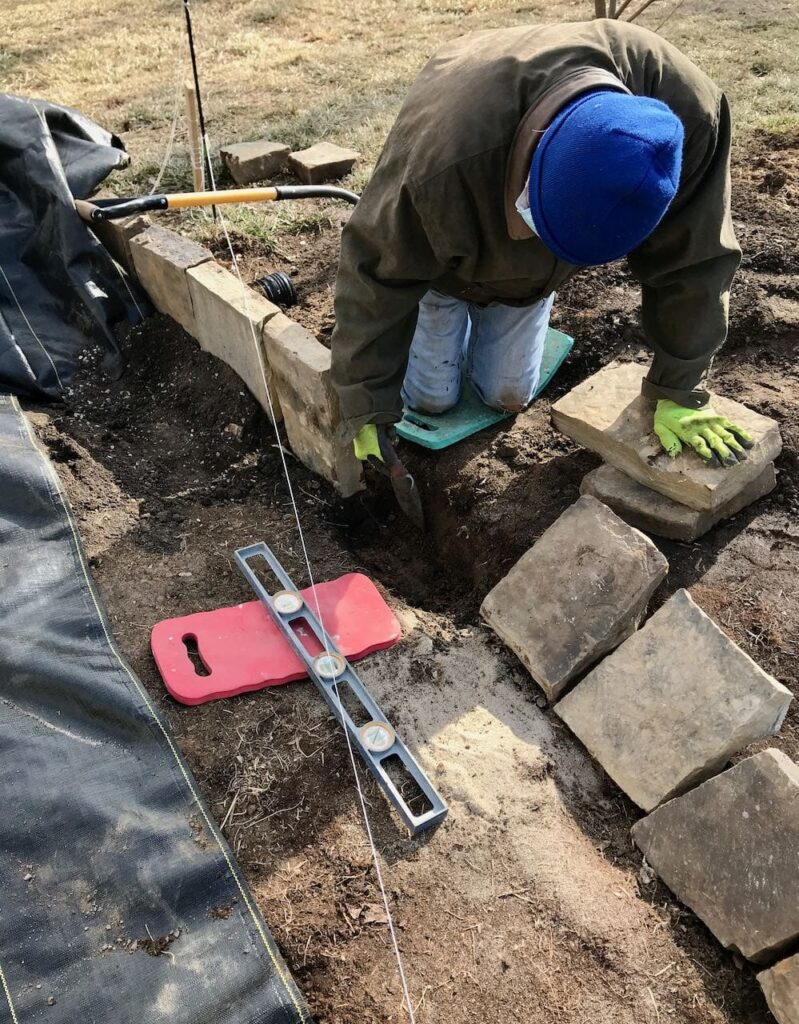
(532, 127)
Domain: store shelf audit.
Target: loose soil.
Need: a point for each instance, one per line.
(530, 902)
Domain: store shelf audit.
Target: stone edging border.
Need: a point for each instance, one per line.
(184, 281)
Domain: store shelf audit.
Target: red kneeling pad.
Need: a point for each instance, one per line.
(242, 649)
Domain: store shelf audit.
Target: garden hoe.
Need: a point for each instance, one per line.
(115, 208)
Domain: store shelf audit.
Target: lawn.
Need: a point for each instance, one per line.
(304, 71)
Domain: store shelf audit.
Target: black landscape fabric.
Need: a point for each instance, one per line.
(59, 287)
(121, 901)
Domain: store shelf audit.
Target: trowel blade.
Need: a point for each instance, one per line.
(407, 495)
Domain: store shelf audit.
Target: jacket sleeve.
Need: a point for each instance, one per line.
(685, 268)
(387, 264)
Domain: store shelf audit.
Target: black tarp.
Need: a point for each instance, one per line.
(106, 848)
(58, 285)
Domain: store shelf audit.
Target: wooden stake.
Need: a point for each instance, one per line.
(195, 141)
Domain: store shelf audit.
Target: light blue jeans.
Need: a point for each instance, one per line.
(502, 347)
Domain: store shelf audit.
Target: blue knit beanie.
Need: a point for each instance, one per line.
(603, 175)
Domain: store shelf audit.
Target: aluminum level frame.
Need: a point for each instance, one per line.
(328, 687)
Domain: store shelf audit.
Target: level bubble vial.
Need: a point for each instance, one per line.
(378, 737)
(329, 666)
(287, 601)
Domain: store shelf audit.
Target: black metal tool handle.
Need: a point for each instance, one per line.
(115, 210)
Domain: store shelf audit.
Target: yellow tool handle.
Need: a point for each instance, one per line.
(182, 200)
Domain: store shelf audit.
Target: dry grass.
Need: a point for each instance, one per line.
(303, 70)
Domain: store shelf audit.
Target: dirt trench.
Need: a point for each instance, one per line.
(530, 901)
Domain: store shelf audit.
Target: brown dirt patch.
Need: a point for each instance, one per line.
(310, 258)
(529, 902)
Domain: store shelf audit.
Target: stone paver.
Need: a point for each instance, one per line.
(647, 510)
(254, 161)
(160, 260)
(608, 414)
(229, 320)
(322, 162)
(670, 706)
(780, 986)
(729, 850)
(576, 594)
(301, 368)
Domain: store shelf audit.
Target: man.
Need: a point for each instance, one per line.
(519, 156)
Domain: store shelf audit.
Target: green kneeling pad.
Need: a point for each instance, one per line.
(470, 414)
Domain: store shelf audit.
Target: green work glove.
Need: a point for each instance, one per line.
(367, 443)
(711, 436)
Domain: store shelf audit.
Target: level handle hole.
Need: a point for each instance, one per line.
(263, 572)
(406, 785)
(353, 705)
(304, 632)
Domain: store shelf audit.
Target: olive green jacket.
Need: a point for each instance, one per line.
(439, 211)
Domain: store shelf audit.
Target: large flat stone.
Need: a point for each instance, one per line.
(608, 414)
(780, 986)
(160, 260)
(647, 510)
(577, 593)
(323, 162)
(669, 707)
(254, 161)
(301, 367)
(229, 318)
(729, 849)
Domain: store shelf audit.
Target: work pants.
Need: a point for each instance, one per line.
(500, 348)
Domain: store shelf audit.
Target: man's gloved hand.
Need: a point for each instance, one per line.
(713, 437)
(367, 443)
(373, 445)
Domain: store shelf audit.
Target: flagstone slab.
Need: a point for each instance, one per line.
(654, 513)
(324, 161)
(608, 414)
(255, 161)
(780, 986)
(729, 848)
(229, 317)
(577, 593)
(161, 259)
(670, 706)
